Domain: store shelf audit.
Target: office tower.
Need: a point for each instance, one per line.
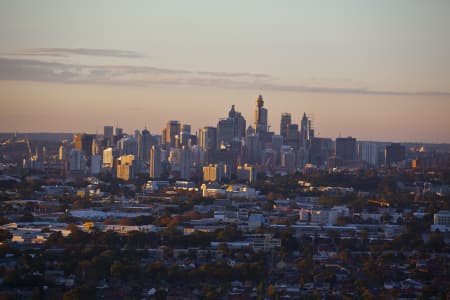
(146, 143)
(394, 153)
(225, 132)
(118, 132)
(306, 131)
(108, 134)
(261, 116)
(268, 158)
(185, 163)
(83, 141)
(185, 128)
(127, 145)
(96, 164)
(108, 131)
(288, 159)
(76, 160)
(170, 132)
(62, 153)
(216, 172)
(77, 141)
(207, 138)
(301, 157)
(346, 148)
(185, 134)
(198, 156)
(126, 167)
(87, 140)
(108, 158)
(95, 148)
(277, 142)
(285, 122)
(293, 136)
(320, 150)
(230, 128)
(368, 152)
(246, 172)
(252, 149)
(155, 162)
(239, 123)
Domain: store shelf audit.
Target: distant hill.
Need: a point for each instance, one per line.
(39, 136)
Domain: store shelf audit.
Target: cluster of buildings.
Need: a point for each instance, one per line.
(232, 149)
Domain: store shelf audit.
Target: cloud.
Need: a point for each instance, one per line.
(35, 70)
(66, 52)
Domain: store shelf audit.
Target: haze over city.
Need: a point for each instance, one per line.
(375, 70)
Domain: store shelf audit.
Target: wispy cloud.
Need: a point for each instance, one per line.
(66, 52)
(35, 70)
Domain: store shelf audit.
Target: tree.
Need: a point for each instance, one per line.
(83, 292)
(5, 235)
(117, 269)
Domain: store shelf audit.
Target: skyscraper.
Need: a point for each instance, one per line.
(76, 160)
(185, 134)
(230, 128)
(108, 133)
(207, 138)
(225, 131)
(126, 167)
(83, 141)
(155, 162)
(146, 143)
(320, 150)
(239, 125)
(346, 148)
(261, 116)
(293, 136)
(368, 152)
(185, 163)
(306, 132)
(394, 153)
(285, 122)
(171, 131)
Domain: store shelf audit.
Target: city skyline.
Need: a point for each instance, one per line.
(375, 71)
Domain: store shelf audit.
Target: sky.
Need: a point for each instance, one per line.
(375, 70)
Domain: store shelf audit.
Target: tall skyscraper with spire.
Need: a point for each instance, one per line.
(261, 116)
